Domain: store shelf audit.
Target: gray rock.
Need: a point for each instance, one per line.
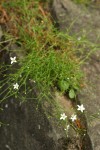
(23, 132)
(75, 18)
(26, 125)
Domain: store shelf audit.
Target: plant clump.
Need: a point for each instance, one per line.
(49, 56)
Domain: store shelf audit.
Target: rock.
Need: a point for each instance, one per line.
(75, 18)
(26, 126)
(63, 11)
(23, 132)
(90, 95)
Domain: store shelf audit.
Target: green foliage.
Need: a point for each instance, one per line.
(86, 2)
(49, 56)
(63, 85)
(47, 60)
(72, 93)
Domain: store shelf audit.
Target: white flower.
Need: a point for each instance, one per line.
(16, 86)
(6, 106)
(79, 38)
(20, 75)
(73, 117)
(81, 108)
(13, 59)
(68, 126)
(8, 147)
(63, 116)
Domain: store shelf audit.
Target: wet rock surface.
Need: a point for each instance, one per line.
(87, 19)
(25, 128)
